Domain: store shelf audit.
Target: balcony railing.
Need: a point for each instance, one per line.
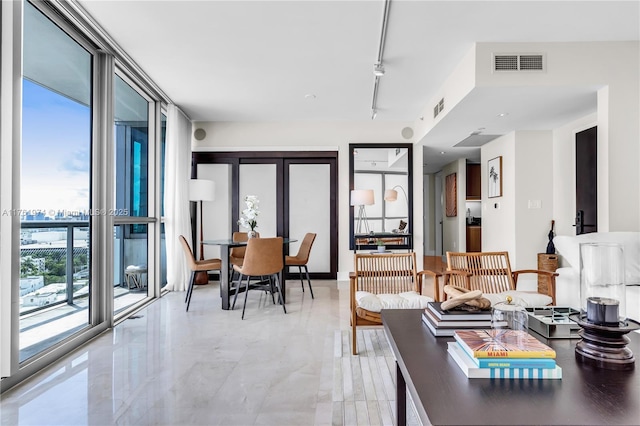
(45, 244)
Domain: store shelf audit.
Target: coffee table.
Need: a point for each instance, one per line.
(443, 395)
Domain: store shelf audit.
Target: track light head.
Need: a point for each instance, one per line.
(378, 70)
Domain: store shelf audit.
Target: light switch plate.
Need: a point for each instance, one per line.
(535, 204)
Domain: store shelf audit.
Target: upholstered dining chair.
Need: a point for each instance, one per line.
(236, 254)
(196, 266)
(302, 258)
(263, 259)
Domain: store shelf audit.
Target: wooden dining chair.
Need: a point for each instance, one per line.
(196, 266)
(264, 260)
(302, 258)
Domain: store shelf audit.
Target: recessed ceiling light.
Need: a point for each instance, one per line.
(442, 152)
(503, 114)
(309, 96)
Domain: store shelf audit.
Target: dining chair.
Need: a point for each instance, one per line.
(236, 254)
(196, 266)
(302, 258)
(263, 259)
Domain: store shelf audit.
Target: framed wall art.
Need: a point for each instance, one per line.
(451, 195)
(494, 172)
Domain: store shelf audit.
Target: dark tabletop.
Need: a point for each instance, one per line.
(229, 242)
(441, 391)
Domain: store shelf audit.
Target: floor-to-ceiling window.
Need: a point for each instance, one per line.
(55, 185)
(132, 175)
(82, 204)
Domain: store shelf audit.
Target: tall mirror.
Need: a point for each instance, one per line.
(380, 196)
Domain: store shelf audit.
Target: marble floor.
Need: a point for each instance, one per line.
(202, 367)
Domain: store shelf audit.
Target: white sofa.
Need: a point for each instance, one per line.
(568, 280)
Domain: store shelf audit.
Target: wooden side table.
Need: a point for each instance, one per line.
(546, 262)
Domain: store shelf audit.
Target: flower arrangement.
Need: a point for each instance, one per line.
(249, 215)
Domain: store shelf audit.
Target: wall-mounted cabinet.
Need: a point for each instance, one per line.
(473, 182)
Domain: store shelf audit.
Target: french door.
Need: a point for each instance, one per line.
(297, 193)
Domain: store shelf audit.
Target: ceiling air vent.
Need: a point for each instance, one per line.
(531, 62)
(505, 63)
(438, 108)
(518, 62)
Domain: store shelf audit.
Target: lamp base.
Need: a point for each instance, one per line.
(201, 277)
(605, 346)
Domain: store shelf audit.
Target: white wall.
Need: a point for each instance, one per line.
(534, 183)
(513, 222)
(310, 136)
(539, 166)
(429, 203)
(458, 85)
(498, 213)
(454, 228)
(592, 64)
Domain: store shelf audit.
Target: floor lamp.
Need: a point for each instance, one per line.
(201, 190)
(361, 198)
(392, 195)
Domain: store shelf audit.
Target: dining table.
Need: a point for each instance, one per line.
(225, 248)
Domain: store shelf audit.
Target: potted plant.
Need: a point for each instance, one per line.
(381, 246)
(249, 215)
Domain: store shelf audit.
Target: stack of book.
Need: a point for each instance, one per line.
(503, 354)
(444, 323)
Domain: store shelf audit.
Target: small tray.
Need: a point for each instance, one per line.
(553, 322)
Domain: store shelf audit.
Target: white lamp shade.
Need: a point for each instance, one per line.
(390, 195)
(362, 197)
(202, 190)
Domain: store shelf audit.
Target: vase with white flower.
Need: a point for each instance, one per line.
(248, 218)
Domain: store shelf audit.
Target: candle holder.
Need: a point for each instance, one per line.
(602, 316)
(605, 346)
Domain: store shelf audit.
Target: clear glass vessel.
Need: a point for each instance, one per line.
(602, 286)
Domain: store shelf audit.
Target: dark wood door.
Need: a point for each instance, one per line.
(586, 220)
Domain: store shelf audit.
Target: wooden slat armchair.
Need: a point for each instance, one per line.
(375, 284)
(490, 272)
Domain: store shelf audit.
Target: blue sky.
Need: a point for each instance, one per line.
(56, 147)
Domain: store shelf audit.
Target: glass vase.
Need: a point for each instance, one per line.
(602, 290)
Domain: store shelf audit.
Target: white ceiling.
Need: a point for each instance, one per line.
(256, 60)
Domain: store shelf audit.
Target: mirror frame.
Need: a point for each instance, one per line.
(409, 147)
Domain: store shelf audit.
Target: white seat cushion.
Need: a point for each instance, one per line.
(377, 302)
(522, 298)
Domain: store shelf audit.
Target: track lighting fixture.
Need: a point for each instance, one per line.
(378, 70)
